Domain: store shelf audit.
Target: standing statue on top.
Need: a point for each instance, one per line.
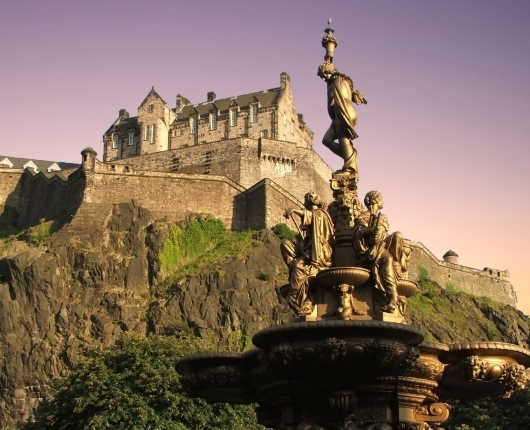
(384, 255)
(341, 95)
(310, 253)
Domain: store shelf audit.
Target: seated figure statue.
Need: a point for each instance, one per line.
(384, 255)
(310, 253)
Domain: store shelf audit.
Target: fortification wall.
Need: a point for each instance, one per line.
(10, 189)
(49, 197)
(170, 195)
(245, 161)
(473, 281)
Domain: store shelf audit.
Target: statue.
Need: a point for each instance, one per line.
(341, 94)
(384, 255)
(311, 252)
(346, 306)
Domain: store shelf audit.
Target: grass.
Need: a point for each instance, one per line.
(203, 242)
(283, 231)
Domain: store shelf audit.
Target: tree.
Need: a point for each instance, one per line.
(134, 385)
(491, 413)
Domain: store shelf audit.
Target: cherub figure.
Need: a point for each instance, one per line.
(346, 306)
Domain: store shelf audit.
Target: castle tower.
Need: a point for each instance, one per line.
(451, 257)
(88, 161)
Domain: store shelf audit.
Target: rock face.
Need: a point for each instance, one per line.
(57, 300)
(74, 293)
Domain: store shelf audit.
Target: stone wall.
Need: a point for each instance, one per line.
(86, 196)
(477, 282)
(245, 161)
(10, 188)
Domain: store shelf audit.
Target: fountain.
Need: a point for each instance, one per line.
(350, 361)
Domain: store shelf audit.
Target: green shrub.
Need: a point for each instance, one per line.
(185, 244)
(202, 242)
(423, 276)
(283, 231)
(134, 386)
(40, 232)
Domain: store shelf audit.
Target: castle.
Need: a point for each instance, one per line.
(243, 159)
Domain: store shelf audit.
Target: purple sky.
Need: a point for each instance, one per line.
(443, 137)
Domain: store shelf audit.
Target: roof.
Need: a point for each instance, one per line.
(265, 98)
(122, 125)
(154, 93)
(42, 165)
(450, 253)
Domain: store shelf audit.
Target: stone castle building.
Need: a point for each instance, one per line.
(242, 159)
(246, 138)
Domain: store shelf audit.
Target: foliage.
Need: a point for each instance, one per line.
(283, 231)
(201, 242)
(491, 414)
(133, 385)
(40, 232)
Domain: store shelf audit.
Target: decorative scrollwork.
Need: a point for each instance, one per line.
(332, 349)
(385, 353)
(435, 413)
(284, 356)
(514, 377)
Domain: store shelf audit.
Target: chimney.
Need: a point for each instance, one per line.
(181, 102)
(123, 114)
(210, 97)
(301, 118)
(285, 80)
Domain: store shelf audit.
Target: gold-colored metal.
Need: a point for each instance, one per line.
(310, 253)
(384, 254)
(357, 366)
(341, 95)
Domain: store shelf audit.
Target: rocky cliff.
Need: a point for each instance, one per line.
(67, 292)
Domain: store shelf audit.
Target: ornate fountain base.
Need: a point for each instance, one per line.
(348, 293)
(352, 375)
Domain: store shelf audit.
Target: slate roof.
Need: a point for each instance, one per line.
(265, 98)
(42, 165)
(123, 125)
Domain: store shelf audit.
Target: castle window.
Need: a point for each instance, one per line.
(264, 133)
(233, 117)
(153, 134)
(213, 121)
(131, 138)
(181, 132)
(115, 140)
(193, 124)
(151, 108)
(253, 113)
(146, 132)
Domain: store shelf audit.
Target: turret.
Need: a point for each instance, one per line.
(451, 257)
(88, 163)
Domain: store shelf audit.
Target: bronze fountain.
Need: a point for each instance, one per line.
(350, 361)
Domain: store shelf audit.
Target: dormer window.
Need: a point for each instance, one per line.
(193, 125)
(233, 117)
(213, 120)
(253, 113)
(131, 137)
(115, 140)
